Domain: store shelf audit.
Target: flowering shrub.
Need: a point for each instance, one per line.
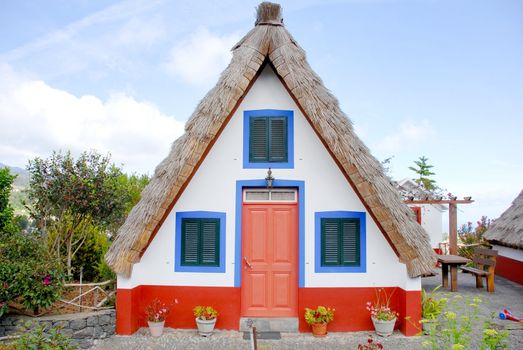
(458, 329)
(371, 345)
(157, 310)
(431, 306)
(321, 314)
(381, 310)
(205, 312)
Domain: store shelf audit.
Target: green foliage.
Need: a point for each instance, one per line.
(423, 170)
(321, 314)
(27, 273)
(6, 211)
(35, 336)
(205, 312)
(90, 254)
(79, 204)
(472, 237)
(431, 305)
(455, 329)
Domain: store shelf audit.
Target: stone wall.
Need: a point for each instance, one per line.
(84, 328)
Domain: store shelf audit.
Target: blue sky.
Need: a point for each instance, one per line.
(442, 79)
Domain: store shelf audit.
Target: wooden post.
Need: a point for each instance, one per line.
(453, 229)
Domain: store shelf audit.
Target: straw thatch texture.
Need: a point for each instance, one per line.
(507, 230)
(273, 43)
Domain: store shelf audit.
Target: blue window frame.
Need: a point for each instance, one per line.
(340, 241)
(201, 223)
(268, 139)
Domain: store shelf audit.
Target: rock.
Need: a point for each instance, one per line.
(92, 321)
(61, 324)
(77, 324)
(85, 343)
(87, 332)
(66, 331)
(109, 329)
(104, 319)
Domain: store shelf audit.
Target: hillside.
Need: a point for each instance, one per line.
(21, 182)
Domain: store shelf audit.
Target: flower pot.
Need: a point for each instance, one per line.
(319, 329)
(156, 328)
(383, 328)
(205, 327)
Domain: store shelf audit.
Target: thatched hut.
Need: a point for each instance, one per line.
(269, 203)
(506, 236)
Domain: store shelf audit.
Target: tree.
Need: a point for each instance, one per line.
(27, 273)
(423, 170)
(69, 196)
(6, 211)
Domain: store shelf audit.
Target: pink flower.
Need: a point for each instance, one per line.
(47, 280)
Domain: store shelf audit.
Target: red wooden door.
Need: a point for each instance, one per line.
(269, 260)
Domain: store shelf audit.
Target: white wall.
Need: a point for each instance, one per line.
(431, 221)
(213, 189)
(516, 254)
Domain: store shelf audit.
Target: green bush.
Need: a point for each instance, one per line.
(458, 327)
(27, 273)
(35, 336)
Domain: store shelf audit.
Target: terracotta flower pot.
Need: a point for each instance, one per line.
(156, 328)
(319, 329)
(383, 328)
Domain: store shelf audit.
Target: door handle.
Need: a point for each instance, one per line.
(247, 262)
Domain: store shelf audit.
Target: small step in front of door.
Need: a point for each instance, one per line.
(267, 324)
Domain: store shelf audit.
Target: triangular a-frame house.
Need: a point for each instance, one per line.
(506, 236)
(213, 227)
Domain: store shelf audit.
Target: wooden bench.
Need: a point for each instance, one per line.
(484, 264)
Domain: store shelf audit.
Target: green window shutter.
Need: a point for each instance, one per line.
(277, 139)
(190, 238)
(350, 229)
(340, 242)
(200, 242)
(210, 246)
(268, 140)
(330, 245)
(258, 147)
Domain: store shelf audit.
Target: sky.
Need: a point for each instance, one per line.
(434, 78)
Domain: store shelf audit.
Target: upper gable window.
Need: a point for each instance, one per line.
(268, 140)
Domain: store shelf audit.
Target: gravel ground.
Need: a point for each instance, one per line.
(508, 295)
(222, 340)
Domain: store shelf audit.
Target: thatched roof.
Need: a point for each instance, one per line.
(270, 43)
(507, 230)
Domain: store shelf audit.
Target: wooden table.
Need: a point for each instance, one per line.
(452, 261)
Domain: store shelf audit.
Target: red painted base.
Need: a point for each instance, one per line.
(509, 268)
(350, 303)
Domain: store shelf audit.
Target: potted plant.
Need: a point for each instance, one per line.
(206, 317)
(156, 313)
(318, 319)
(383, 317)
(431, 308)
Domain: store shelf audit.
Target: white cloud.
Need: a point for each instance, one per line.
(37, 119)
(200, 59)
(409, 134)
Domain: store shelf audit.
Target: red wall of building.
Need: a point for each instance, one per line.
(350, 304)
(509, 268)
